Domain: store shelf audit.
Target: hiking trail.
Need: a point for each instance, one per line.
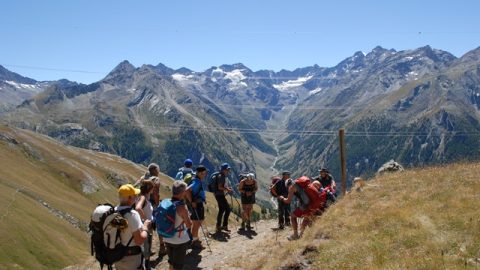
(228, 251)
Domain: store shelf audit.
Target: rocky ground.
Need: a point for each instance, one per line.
(228, 251)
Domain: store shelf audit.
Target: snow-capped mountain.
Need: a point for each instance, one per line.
(262, 120)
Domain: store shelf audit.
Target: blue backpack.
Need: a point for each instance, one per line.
(165, 218)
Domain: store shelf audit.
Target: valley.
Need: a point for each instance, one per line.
(419, 107)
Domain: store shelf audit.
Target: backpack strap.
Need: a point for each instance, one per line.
(126, 210)
(123, 212)
(178, 203)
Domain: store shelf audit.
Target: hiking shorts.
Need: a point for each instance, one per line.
(176, 254)
(248, 199)
(302, 213)
(199, 210)
(133, 262)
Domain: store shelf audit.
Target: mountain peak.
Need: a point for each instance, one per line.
(164, 70)
(379, 49)
(184, 71)
(473, 55)
(231, 67)
(7, 75)
(122, 69)
(435, 55)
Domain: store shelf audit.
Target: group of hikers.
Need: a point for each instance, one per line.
(122, 235)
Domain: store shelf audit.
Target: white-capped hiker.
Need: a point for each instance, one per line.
(247, 187)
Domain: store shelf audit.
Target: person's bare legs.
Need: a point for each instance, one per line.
(293, 220)
(195, 227)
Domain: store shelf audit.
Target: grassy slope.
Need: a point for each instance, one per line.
(38, 169)
(420, 219)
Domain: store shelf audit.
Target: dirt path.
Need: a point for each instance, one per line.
(230, 251)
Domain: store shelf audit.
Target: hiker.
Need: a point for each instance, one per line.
(154, 198)
(247, 187)
(222, 187)
(305, 201)
(280, 188)
(326, 179)
(186, 172)
(137, 231)
(196, 197)
(178, 244)
(152, 174)
(144, 207)
(328, 184)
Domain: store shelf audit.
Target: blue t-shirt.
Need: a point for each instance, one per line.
(197, 190)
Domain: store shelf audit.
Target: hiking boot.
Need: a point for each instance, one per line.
(225, 228)
(162, 250)
(249, 228)
(288, 224)
(219, 229)
(197, 244)
(242, 227)
(293, 237)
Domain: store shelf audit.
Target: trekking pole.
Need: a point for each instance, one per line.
(236, 219)
(238, 203)
(201, 226)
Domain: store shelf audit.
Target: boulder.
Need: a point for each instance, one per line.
(390, 166)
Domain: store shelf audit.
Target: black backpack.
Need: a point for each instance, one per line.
(212, 185)
(106, 226)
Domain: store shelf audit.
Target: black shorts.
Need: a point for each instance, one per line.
(176, 255)
(248, 199)
(199, 210)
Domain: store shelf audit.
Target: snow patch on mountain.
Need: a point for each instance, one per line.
(235, 76)
(290, 84)
(181, 77)
(33, 87)
(315, 91)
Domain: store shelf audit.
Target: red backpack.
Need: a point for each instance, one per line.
(316, 200)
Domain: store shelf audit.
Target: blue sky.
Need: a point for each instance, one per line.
(84, 40)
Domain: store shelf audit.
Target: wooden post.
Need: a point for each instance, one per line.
(343, 163)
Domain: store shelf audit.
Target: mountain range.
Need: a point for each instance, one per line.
(417, 106)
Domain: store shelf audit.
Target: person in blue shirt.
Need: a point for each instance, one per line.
(186, 171)
(196, 198)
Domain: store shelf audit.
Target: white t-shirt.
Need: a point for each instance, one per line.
(181, 236)
(134, 224)
(148, 209)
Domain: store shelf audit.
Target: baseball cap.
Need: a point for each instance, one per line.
(201, 168)
(324, 170)
(128, 190)
(286, 173)
(188, 162)
(225, 166)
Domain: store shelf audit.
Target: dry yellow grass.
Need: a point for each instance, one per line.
(420, 219)
(37, 172)
(35, 169)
